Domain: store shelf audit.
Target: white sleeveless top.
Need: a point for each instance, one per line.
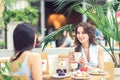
(93, 53)
(24, 69)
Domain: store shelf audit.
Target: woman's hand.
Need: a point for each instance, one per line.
(82, 61)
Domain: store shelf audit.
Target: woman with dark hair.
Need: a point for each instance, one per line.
(24, 39)
(91, 53)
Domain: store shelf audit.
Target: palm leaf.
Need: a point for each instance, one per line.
(55, 35)
(97, 14)
(60, 4)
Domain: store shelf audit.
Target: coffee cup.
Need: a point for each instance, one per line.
(74, 65)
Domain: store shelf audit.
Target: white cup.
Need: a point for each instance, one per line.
(74, 65)
(77, 56)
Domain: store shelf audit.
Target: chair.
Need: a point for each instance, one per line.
(63, 56)
(109, 67)
(15, 77)
(44, 56)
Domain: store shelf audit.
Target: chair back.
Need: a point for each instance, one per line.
(44, 57)
(63, 56)
(109, 67)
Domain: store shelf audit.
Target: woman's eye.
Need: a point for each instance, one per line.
(83, 32)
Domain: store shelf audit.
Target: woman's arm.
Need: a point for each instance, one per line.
(36, 66)
(100, 58)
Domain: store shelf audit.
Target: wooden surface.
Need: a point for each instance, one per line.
(98, 77)
(20, 77)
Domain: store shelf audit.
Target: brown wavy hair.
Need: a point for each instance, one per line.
(87, 29)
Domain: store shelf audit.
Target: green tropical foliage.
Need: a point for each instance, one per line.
(5, 71)
(98, 14)
(20, 15)
(56, 35)
(5, 4)
(28, 14)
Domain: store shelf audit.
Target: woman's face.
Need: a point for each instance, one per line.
(81, 35)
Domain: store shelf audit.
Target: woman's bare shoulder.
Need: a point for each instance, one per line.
(34, 54)
(34, 57)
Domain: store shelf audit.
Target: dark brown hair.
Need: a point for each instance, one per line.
(87, 29)
(23, 39)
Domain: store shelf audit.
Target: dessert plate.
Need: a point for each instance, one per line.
(97, 73)
(56, 76)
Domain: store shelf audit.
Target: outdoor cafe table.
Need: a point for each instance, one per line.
(93, 77)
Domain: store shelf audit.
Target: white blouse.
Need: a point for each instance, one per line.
(93, 53)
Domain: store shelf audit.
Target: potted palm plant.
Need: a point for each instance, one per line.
(99, 15)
